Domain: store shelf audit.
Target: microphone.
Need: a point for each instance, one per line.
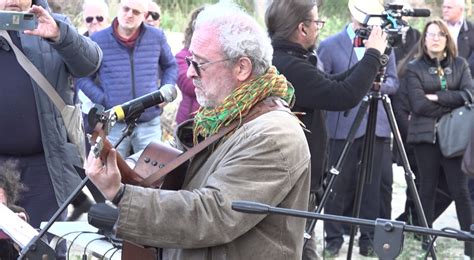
(135, 107)
(103, 217)
(416, 12)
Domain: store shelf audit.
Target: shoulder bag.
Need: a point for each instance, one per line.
(467, 164)
(72, 115)
(454, 128)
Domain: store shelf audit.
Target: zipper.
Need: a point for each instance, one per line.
(132, 73)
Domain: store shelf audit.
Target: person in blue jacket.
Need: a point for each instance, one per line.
(137, 61)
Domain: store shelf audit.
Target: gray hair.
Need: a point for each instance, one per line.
(239, 34)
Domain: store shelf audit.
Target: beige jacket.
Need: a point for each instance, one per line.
(266, 160)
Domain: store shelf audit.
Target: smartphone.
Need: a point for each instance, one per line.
(17, 21)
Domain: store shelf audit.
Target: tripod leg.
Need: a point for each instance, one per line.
(367, 164)
(335, 170)
(409, 176)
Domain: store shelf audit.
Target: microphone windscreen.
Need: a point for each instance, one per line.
(168, 92)
(421, 12)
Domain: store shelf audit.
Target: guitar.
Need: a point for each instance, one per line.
(150, 164)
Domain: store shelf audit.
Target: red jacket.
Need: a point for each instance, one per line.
(189, 103)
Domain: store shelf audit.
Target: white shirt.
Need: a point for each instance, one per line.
(359, 51)
(454, 29)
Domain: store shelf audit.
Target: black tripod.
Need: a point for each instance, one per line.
(371, 100)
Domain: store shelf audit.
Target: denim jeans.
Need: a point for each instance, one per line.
(142, 135)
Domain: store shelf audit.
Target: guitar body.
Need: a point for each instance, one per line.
(133, 251)
(155, 157)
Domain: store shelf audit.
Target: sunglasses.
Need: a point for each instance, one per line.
(198, 66)
(99, 19)
(154, 15)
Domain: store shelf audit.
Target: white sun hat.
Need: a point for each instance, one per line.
(360, 9)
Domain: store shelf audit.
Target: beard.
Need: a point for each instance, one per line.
(202, 96)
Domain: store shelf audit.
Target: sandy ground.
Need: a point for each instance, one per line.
(447, 219)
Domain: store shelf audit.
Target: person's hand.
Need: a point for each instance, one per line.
(22, 215)
(106, 177)
(377, 39)
(432, 97)
(47, 27)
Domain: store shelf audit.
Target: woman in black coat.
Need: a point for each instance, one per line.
(437, 80)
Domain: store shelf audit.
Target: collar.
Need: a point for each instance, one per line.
(456, 24)
(444, 62)
(350, 31)
(291, 48)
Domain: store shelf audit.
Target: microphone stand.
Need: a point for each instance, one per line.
(388, 237)
(37, 248)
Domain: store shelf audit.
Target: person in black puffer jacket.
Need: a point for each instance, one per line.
(436, 82)
(294, 43)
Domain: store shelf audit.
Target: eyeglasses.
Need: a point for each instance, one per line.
(154, 15)
(198, 66)
(99, 19)
(433, 35)
(319, 23)
(127, 9)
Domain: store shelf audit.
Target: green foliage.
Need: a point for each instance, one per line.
(175, 12)
(336, 15)
(332, 26)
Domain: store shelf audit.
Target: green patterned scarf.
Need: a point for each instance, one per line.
(208, 121)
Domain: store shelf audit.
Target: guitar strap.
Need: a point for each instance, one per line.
(264, 106)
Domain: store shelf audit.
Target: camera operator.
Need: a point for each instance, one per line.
(337, 54)
(294, 39)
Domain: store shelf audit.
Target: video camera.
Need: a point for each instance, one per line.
(392, 23)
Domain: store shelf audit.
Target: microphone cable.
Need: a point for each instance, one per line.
(72, 242)
(338, 118)
(110, 249)
(63, 237)
(114, 253)
(84, 256)
(429, 247)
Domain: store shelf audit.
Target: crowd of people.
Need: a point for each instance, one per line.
(289, 102)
